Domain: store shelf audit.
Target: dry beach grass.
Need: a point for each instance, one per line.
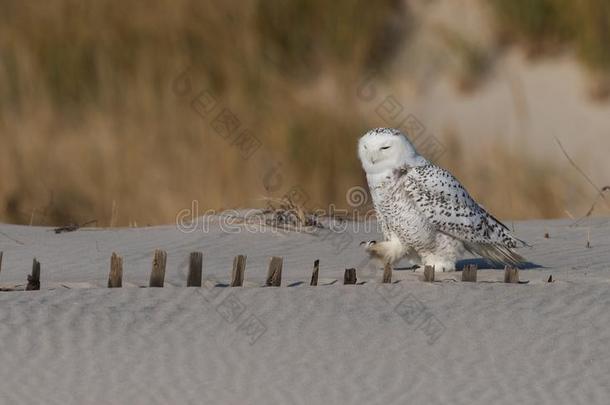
(91, 128)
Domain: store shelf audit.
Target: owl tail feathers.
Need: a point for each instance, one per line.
(497, 253)
(518, 243)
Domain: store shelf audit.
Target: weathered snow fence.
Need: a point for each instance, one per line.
(115, 277)
(511, 275)
(387, 274)
(469, 273)
(350, 277)
(34, 278)
(157, 275)
(195, 270)
(239, 268)
(274, 274)
(314, 274)
(429, 274)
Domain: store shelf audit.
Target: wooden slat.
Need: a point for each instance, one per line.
(274, 274)
(239, 268)
(469, 273)
(115, 278)
(157, 275)
(387, 273)
(195, 270)
(350, 277)
(511, 275)
(34, 278)
(314, 274)
(429, 273)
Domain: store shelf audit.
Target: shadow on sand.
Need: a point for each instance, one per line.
(482, 264)
(485, 264)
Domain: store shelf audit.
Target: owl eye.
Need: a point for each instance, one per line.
(384, 148)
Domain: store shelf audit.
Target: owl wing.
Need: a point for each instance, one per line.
(447, 205)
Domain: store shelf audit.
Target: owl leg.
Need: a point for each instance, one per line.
(389, 251)
(441, 263)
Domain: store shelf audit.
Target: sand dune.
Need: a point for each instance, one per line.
(410, 342)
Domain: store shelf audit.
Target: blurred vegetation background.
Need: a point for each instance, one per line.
(547, 25)
(92, 128)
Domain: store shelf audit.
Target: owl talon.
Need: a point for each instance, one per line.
(389, 251)
(367, 243)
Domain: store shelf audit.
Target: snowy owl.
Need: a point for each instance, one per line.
(424, 212)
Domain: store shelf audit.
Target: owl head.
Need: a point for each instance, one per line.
(382, 150)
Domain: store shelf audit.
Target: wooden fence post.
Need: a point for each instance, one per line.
(314, 275)
(195, 269)
(239, 268)
(511, 274)
(115, 278)
(34, 278)
(274, 274)
(350, 277)
(157, 275)
(469, 273)
(429, 273)
(387, 273)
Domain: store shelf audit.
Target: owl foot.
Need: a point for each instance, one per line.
(374, 251)
(385, 252)
(367, 243)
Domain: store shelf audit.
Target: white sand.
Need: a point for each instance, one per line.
(412, 342)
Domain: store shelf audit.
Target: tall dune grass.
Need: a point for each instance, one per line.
(547, 24)
(91, 127)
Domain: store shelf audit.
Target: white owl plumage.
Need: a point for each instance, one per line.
(426, 215)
